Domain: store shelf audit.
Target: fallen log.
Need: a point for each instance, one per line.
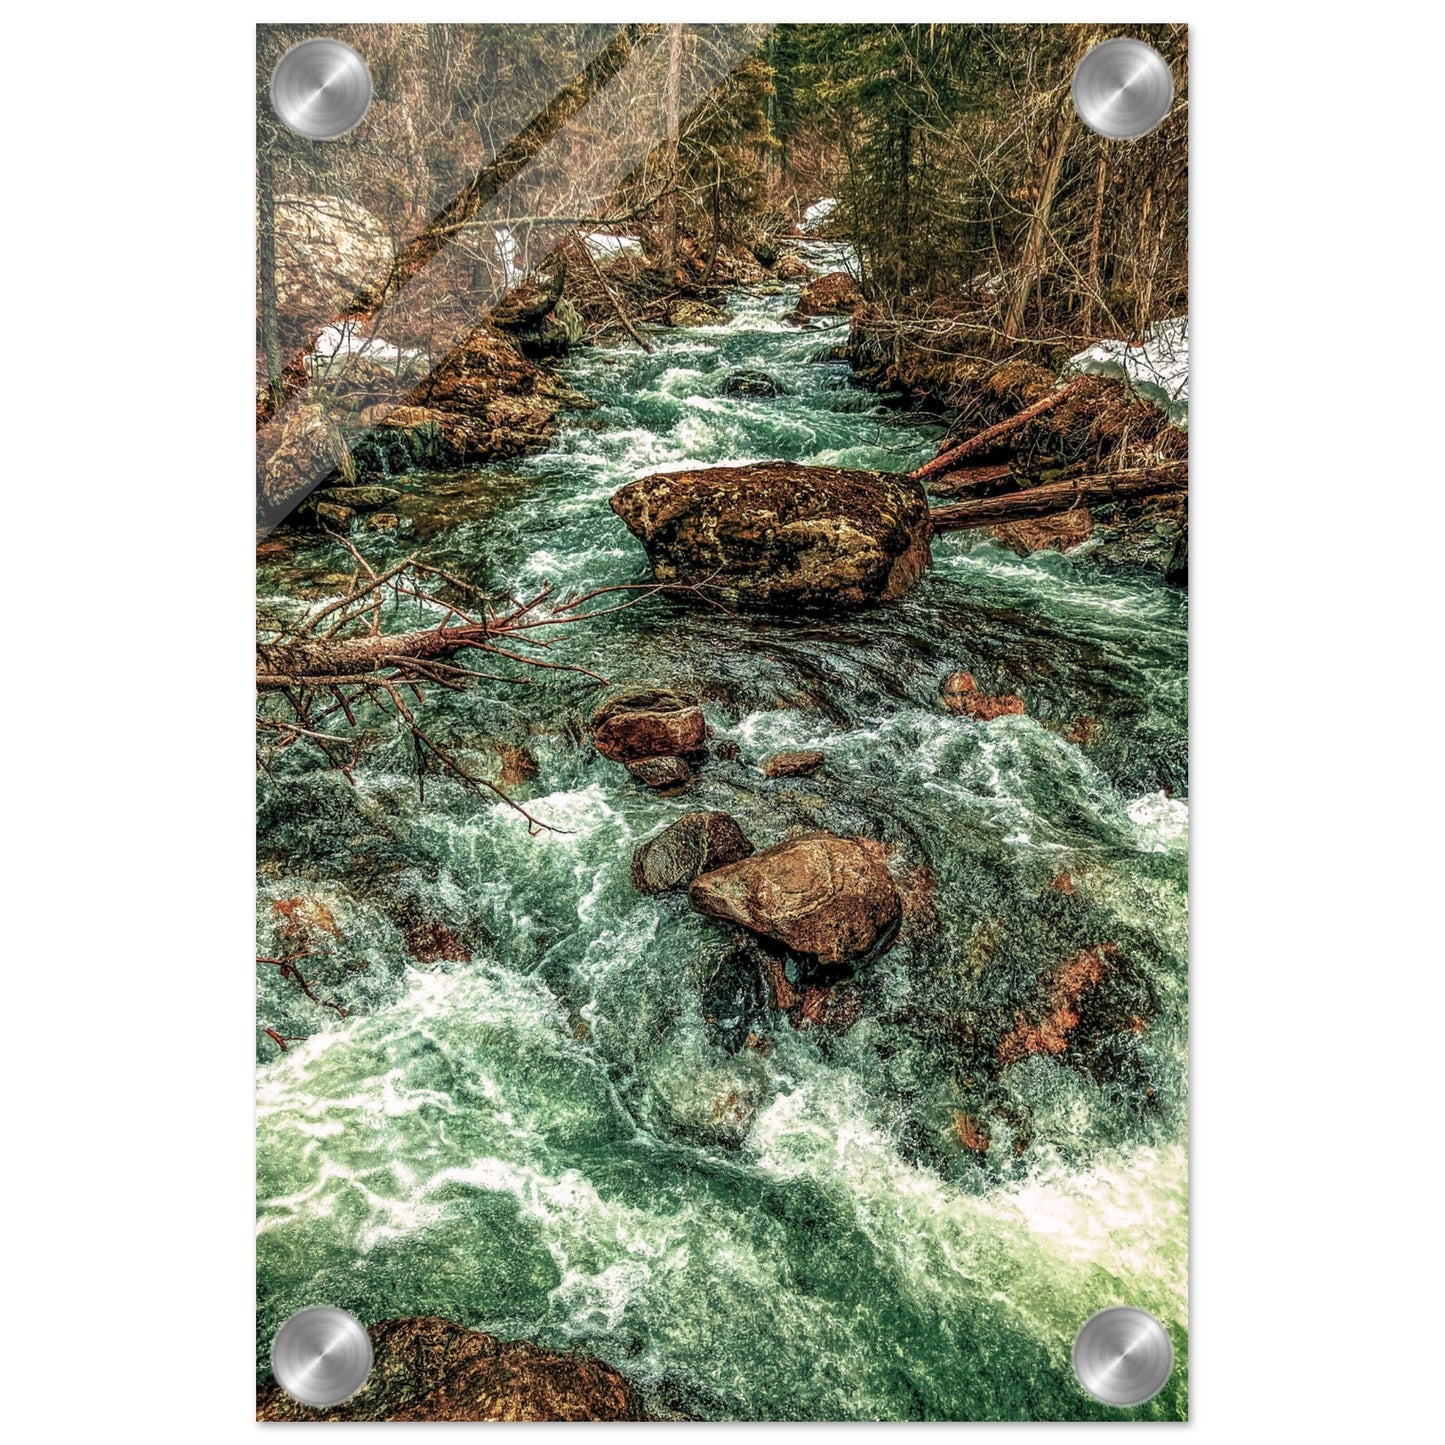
(1057, 497)
(970, 481)
(947, 460)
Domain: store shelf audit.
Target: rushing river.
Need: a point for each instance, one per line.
(551, 1142)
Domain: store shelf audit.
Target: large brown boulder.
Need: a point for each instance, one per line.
(835, 294)
(696, 843)
(298, 452)
(826, 898)
(648, 722)
(781, 532)
(430, 1369)
(486, 401)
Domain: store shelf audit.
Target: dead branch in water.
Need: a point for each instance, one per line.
(287, 965)
(1058, 497)
(312, 677)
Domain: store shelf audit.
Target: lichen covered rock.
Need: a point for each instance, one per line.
(783, 533)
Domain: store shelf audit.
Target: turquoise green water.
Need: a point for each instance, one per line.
(550, 1142)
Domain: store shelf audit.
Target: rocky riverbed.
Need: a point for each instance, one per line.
(823, 1055)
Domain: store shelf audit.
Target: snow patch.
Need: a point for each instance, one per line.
(344, 339)
(818, 213)
(600, 243)
(1157, 369)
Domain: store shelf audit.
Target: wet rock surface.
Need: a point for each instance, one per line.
(665, 775)
(695, 844)
(801, 764)
(961, 694)
(826, 898)
(648, 722)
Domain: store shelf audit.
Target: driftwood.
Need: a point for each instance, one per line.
(1057, 497)
(947, 460)
(608, 292)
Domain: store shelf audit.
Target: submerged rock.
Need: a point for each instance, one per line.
(706, 1096)
(1065, 992)
(960, 694)
(429, 941)
(363, 499)
(314, 512)
(747, 382)
(689, 312)
(735, 1001)
(826, 898)
(664, 775)
(518, 764)
(781, 532)
(430, 1369)
(648, 722)
(793, 765)
(696, 843)
(828, 1010)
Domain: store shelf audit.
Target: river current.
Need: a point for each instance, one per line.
(550, 1141)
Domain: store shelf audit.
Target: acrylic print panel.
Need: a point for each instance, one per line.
(721, 721)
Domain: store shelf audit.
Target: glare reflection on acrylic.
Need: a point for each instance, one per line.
(722, 699)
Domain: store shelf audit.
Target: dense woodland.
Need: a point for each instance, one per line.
(987, 220)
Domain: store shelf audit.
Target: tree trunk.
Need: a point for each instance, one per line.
(1057, 497)
(673, 136)
(1091, 275)
(1058, 131)
(1031, 262)
(319, 661)
(266, 263)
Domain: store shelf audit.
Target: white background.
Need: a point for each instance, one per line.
(128, 491)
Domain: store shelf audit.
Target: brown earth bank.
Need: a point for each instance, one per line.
(431, 1369)
(1019, 425)
(782, 533)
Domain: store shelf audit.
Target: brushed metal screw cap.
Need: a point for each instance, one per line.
(1123, 88)
(321, 88)
(321, 1356)
(1123, 1356)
